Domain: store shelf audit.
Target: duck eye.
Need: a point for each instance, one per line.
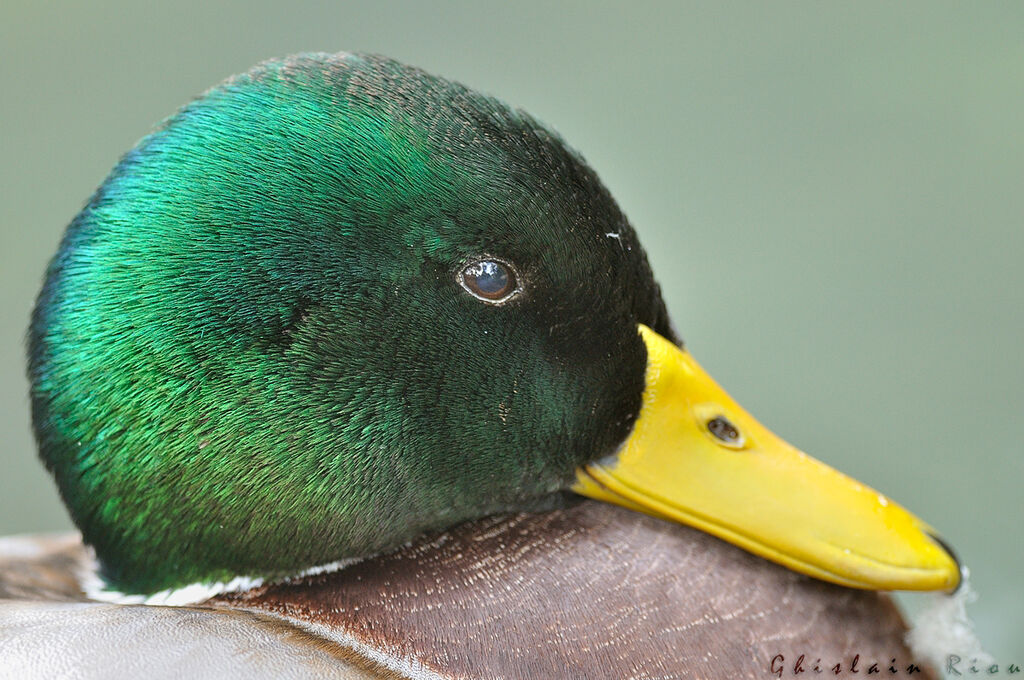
(492, 281)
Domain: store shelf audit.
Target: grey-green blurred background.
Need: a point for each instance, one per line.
(832, 195)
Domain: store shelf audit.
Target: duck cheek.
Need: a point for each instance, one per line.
(600, 380)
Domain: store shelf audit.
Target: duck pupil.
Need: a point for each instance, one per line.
(722, 429)
(489, 279)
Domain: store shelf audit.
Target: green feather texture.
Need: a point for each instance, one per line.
(252, 354)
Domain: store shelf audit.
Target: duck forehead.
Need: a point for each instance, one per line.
(408, 162)
(528, 198)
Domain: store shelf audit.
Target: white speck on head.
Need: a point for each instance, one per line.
(883, 500)
(614, 234)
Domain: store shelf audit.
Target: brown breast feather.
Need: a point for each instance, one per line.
(592, 591)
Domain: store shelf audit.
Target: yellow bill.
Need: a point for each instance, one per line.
(697, 458)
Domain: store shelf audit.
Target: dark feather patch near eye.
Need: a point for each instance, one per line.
(299, 313)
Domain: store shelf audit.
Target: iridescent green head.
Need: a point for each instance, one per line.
(331, 304)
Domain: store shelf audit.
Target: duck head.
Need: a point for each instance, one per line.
(336, 302)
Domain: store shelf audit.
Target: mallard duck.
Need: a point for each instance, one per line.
(339, 310)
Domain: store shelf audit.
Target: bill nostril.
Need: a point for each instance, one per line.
(724, 431)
